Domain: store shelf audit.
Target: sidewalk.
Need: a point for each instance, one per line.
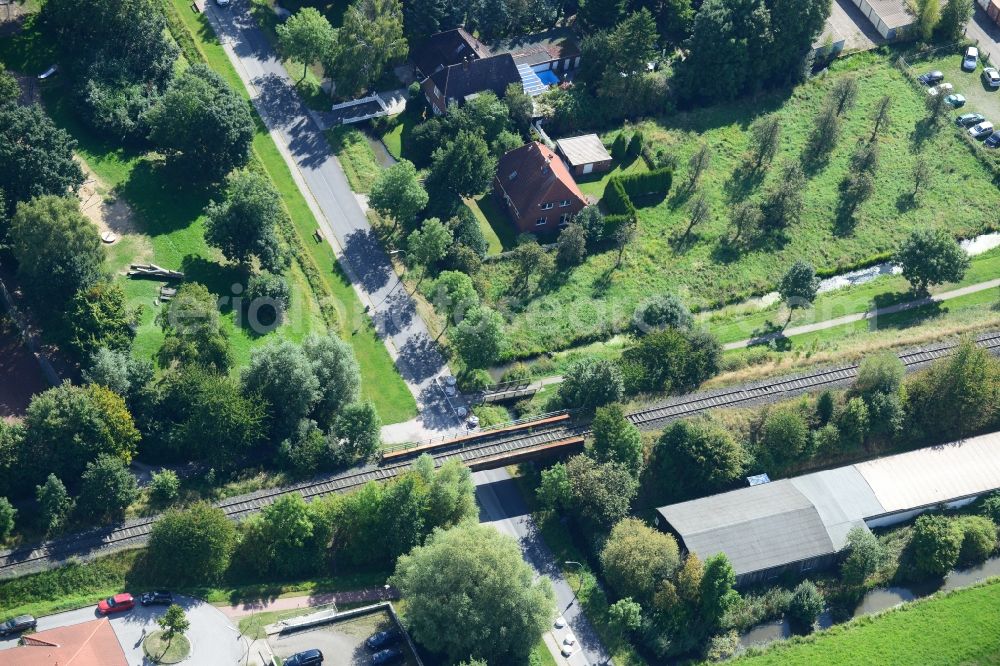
(342, 222)
(366, 595)
(862, 316)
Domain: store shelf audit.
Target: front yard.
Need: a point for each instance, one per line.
(596, 299)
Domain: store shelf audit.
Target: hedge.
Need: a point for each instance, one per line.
(620, 190)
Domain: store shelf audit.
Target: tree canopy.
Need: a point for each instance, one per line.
(469, 593)
(637, 558)
(36, 157)
(191, 545)
(694, 458)
(282, 374)
(306, 37)
(398, 194)
(57, 249)
(931, 256)
(193, 333)
(202, 124)
(246, 223)
(370, 38)
(479, 337)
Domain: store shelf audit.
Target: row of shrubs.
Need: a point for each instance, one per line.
(620, 190)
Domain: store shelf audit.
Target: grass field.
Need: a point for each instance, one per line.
(496, 226)
(595, 299)
(962, 627)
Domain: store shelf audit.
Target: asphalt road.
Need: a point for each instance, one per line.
(501, 505)
(344, 224)
(214, 640)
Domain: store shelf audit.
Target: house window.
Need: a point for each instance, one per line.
(540, 222)
(564, 203)
(564, 219)
(512, 176)
(548, 206)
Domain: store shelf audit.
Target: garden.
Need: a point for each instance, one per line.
(708, 269)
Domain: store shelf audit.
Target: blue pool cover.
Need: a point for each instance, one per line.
(548, 77)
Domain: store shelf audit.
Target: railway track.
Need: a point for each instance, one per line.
(136, 532)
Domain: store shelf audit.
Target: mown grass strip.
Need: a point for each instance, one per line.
(381, 382)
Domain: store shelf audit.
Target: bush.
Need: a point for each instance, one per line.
(191, 546)
(634, 145)
(979, 539)
(936, 543)
(7, 515)
(619, 147)
(591, 383)
(648, 183)
(806, 605)
(471, 381)
(490, 415)
(637, 558)
(991, 507)
(782, 438)
(266, 285)
(616, 200)
(165, 485)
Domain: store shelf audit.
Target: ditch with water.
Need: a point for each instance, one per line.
(879, 600)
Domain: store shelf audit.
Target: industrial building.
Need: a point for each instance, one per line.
(801, 524)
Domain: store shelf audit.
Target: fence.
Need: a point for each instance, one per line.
(473, 436)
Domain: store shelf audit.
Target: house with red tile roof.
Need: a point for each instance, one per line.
(86, 644)
(537, 190)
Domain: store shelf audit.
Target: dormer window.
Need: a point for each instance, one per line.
(512, 176)
(564, 203)
(548, 206)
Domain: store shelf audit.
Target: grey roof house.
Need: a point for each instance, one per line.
(456, 83)
(802, 523)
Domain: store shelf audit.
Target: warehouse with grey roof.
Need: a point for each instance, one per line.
(802, 523)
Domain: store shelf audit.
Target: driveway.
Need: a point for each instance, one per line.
(987, 33)
(214, 640)
(323, 184)
(501, 505)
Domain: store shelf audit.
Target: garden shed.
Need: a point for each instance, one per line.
(584, 154)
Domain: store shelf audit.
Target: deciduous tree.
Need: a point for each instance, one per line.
(54, 504)
(929, 257)
(306, 37)
(245, 224)
(637, 558)
(337, 372)
(191, 545)
(202, 124)
(398, 194)
(799, 285)
(509, 607)
(571, 247)
(600, 494)
(193, 333)
(369, 39)
(107, 488)
(616, 439)
(100, 318)
(865, 556)
(692, 459)
(479, 337)
(57, 249)
(282, 374)
(591, 383)
(463, 167)
(429, 244)
(936, 543)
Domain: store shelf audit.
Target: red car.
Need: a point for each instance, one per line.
(116, 604)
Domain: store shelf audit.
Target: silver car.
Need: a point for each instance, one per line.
(971, 59)
(982, 130)
(991, 77)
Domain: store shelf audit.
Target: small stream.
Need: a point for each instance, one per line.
(880, 600)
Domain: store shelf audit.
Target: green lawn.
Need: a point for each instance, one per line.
(381, 382)
(962, 627)
(595, 299)
(356, 157)
(496, 225)
(162, 650)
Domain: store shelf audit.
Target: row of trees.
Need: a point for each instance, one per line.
(356, 54)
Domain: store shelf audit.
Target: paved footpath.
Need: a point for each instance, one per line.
(863, 316)
(369, 594)
(343, 223)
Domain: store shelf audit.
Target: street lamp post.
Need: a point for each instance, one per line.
(579, 567)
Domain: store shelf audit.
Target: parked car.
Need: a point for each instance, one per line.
(969, 119)
(971, 59)
(157, 598)
(991, 77)
(382, 639)
(982, 130)
(955, 100)
(567, 650)
(993, 140)
(943, 88)
(116, 604)
(930, 78)
(382, 657)
(222, 3)
(305, 658)
(17, 624)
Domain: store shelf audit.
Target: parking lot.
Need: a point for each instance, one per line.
(980, 98)
(342, 643)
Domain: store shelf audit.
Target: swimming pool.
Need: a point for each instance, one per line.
(548, 77)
